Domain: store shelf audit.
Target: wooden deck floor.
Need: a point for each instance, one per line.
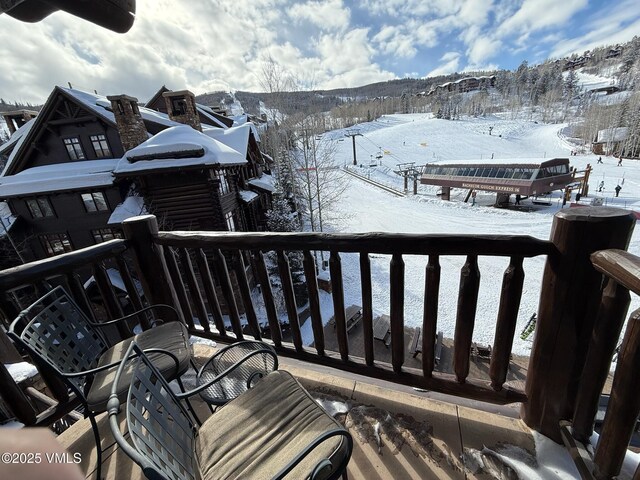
(420, 437)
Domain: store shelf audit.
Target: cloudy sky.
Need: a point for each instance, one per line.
(207, 45)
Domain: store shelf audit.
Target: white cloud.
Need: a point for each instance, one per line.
(483, 49)
(393, 40)
(451, 62)
(330, 14)
(535, 15)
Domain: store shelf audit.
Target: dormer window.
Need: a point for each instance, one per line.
(40, 207)
(100, 146)
(74, 149)
(95, 202)
(179, 106)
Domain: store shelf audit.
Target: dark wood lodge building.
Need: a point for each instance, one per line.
(87, 162)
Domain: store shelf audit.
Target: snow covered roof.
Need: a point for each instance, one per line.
(59, 177)
(176, 148)
(247, 196)
(102, 106)
(497, 161)
(618, 134)
(131, 207)
(207, 112)
(98, 104)
(116, 280)
(265, 182)
(234, 137)
(19, 136)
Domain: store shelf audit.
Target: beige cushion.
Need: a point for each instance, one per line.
(262, 430)
(172, 336)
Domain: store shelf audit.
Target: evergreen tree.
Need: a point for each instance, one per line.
(280, 218)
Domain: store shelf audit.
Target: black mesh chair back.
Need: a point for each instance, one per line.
(159, 427)
(56, 330)
(245, 363)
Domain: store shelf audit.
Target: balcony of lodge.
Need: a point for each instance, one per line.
(409, 417)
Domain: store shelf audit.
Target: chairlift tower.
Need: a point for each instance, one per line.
(353, 133)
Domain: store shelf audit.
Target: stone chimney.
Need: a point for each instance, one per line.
(128, 120)
(182, 108)
(17, 119)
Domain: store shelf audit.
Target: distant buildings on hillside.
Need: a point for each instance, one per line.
(467, 84)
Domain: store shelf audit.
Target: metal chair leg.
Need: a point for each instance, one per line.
(96, 435)
(188, 402)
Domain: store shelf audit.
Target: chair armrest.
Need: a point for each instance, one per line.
(309, 448)
(134, 314)
(219, 377)
(93, 371)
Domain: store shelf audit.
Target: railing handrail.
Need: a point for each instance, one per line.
(22, 275)
(375, 242)
(621, 266)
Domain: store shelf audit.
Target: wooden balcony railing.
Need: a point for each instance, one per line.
(228, 255)
(203, 274)
(621, 271)
(21, 285)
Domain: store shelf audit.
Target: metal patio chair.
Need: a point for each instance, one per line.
(57, 334)
(272, 430)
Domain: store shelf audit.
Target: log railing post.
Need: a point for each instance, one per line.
(623, 409)
(151, 267)
(567, 311)
(606, 332)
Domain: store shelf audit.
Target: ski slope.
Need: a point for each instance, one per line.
(422, 139)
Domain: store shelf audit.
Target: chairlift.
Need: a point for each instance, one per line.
(379, 155)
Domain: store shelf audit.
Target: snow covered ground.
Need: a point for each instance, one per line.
(422, 139)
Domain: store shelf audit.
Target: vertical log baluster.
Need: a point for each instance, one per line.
(132, 290)
(465, 318)
(227, 291)
(367, 307)
(314, 301)
(606, 332)
(339, 314)
(210, 292)
(194, 290)
(290, 299)
(176, 279)
(111, 303)
(245, 293)
(267, 295)
(149, 261)
(430, 318)
(510, 296)
(79, 294)
(623, 409)
(396, 282)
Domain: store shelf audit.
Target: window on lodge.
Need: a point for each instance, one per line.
(40, 207)
(95, 202)
(231, 223)
(100, 146)
(56, 243)
(223, 184)
(104, 234)
(74, 149)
